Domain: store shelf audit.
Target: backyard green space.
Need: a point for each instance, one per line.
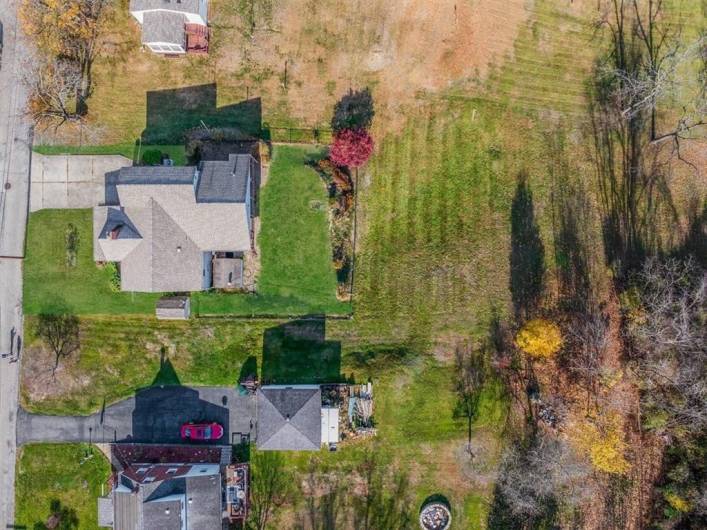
(296, 276)
(57, 486)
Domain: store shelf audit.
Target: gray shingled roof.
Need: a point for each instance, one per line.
(155, 175)
(144, 508)
(289, 418)
(170, 261)
(186, 6)
(163, 26)
(224, 181)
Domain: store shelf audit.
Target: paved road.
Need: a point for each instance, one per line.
(14, 190)
(154, 415)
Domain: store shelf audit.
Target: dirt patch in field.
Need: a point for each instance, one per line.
(40, 384)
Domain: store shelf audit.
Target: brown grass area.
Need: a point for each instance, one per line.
(400, 49)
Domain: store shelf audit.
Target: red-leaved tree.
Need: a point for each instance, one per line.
(351, 147)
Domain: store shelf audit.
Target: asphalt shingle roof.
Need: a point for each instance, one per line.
(289, 418)
(156, 175)
(186, 6)
(143, 506)
(163, 26)
(224, 181)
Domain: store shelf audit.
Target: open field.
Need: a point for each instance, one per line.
(297, 276)
(269, 64)
(59, 479)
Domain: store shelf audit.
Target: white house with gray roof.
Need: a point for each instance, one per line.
(177, 229)
(167, 24)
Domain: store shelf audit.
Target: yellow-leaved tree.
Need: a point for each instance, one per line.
(539, 338)
(603, 442)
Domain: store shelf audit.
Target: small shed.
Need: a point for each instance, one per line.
(173, 308)
(330, 426)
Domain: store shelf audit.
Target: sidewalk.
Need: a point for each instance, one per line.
(15, 149)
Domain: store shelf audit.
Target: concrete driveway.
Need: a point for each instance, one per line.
(71, 181)
(154, 415)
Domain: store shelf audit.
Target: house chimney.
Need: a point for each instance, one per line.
(179, 249)
(115, 232)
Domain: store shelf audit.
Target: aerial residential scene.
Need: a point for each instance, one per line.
(362, 264)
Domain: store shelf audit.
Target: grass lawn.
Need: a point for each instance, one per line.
(297, 276)
(50, 285)
(63, 479)
(132, 151)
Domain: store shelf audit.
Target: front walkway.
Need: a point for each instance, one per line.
(71, 181)
(154, 415)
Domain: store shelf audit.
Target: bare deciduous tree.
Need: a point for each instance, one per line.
(471, 371)
(270, 487)
(547, 472)
(589, 340)
(61, 333)
(669, 332)
(67, 31)
(53, 87)
(638, 71)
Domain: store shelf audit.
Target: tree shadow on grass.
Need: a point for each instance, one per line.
(571, 252)
(61, 518)
(297, 352)
(527, 258)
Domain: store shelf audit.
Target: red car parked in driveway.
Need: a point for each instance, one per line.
(201, 431)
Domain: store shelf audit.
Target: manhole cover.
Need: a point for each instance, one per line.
(8, 185)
